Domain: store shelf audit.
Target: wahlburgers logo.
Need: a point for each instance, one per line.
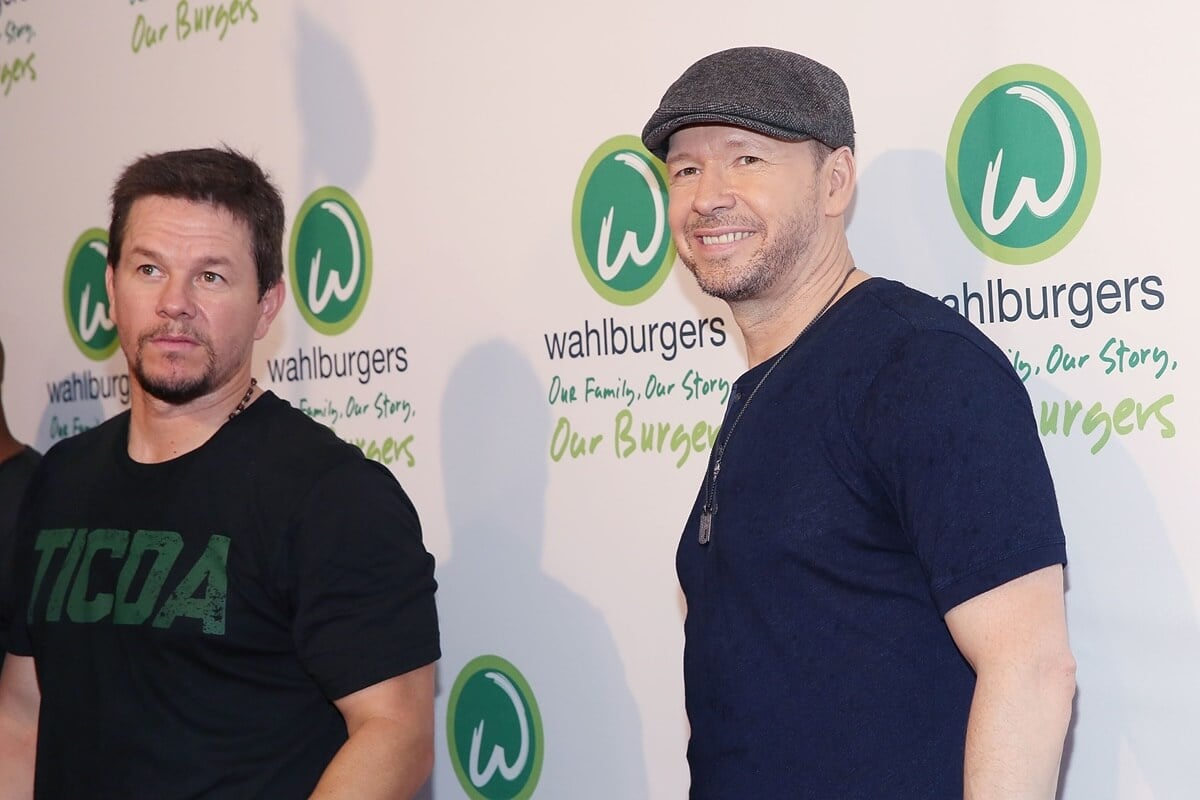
(1023, 164)
(619, 222)
(329, 261)
(85, 298)
(495, 731)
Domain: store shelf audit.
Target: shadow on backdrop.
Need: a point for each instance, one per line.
(337, 138)
(903, 228)
(494, 597)
(1133, 627)
(336, 124)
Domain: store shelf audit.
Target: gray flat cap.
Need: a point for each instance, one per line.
(774, 92)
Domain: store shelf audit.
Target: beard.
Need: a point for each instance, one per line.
(175, 389)
(775, 258)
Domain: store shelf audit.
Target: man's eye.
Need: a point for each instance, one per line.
(210, 277)
(147, 269)
(686, 172)
(750, 159)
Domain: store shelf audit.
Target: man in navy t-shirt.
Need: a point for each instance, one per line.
(874, 563)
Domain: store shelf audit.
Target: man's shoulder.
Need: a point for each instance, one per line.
(901, 313)
(916, 310)
(298, 467)
(287, 439)
(92, 443)
(21, 463)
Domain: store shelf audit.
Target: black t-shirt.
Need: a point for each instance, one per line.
(15, 474)
(191, 621)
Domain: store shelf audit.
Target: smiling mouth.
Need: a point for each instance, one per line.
(725, 238)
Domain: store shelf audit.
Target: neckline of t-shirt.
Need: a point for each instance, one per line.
(834, 311)
(230, 428)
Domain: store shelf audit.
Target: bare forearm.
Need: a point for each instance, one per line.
(17, 764)
(18, 743)
(1015, 733)
(20, 701)
(382, 759)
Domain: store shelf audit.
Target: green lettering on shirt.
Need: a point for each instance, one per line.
(48, 543)
(209, 572)
(166, 545)
(79, 607)
(200, 595)
(65, 572)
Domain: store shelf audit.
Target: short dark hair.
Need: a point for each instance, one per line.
(221, 177)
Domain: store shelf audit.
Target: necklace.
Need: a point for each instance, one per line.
(710, 495)
(245, 399)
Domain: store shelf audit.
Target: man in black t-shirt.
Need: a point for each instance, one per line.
(17, 463)
(215, 596)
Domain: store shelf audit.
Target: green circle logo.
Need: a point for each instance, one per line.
(85, 298)
(329, 261)
(1023, 164)
(495, 731)
(619, 222)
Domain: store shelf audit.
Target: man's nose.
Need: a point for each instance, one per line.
(176, 299)
(713, 192)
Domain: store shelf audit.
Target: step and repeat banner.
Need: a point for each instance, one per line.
(483, 296)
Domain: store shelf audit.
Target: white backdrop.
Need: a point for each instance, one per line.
(462, 132)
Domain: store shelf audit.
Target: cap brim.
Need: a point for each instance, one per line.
(657, 139)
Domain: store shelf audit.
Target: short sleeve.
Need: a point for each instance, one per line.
(948, 428)
(361, 580)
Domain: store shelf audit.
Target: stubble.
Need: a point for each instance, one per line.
(181, 389)
(724, 279)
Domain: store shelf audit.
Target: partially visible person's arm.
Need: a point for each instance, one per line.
(390, 750)
(20, 700)
(1015, 638)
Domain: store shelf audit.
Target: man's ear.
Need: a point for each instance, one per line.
(268, 307)
(842, 177)
(109, 277)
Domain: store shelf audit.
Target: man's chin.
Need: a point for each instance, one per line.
(733, 286)
(176, 395)
(720, 289)
(175, 390)
(704, 279)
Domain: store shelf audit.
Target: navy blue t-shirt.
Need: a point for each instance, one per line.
(889, 469)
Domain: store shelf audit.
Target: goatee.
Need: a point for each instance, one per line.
(177, 390)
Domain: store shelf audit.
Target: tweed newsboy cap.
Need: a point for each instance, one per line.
(774, 92)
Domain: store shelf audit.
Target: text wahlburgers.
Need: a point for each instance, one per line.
(314, 363)
(610, 338)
